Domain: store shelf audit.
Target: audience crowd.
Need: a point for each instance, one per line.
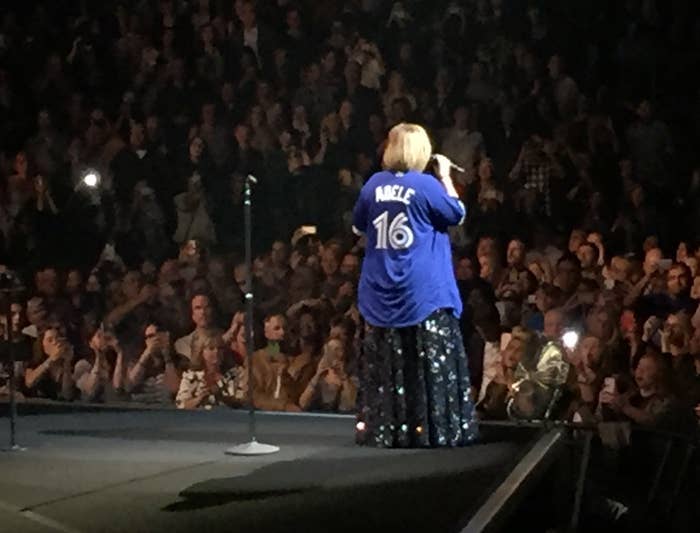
(580, 183)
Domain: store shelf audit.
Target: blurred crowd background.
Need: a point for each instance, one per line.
(576, 122)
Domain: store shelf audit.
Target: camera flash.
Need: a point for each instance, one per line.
(91, 179)
(570, 339)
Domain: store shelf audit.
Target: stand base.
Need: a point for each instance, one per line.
(252, 448)
(14, 448)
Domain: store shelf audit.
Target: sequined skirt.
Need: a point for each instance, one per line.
(414, 386)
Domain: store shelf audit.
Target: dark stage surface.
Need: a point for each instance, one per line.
(161, 470)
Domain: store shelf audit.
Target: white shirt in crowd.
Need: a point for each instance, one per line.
(492, 365)
(183, 345)
(250, 39)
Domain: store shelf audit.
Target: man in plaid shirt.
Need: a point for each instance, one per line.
(534, 169)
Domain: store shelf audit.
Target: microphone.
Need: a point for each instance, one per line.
(452, 165)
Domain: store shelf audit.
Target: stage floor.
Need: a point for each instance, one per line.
(107, 470)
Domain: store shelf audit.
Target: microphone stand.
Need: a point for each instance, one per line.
(252, 447)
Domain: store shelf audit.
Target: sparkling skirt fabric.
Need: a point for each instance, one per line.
(414, 386)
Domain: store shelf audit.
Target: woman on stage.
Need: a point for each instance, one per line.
(415, 389)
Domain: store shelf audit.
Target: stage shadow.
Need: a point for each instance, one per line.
(353, 489)
(391, 490)
(205, 501)
(434, 503)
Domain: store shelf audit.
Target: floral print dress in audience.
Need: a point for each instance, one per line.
(228, 389)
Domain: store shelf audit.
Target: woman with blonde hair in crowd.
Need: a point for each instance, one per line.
(207, 382)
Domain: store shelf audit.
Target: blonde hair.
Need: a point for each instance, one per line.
(207, 341)
(408, 148)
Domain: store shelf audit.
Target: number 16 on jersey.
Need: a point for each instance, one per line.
(396, 234)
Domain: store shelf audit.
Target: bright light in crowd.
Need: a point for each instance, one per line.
(91, 178)
(570, 339)
(360, 426)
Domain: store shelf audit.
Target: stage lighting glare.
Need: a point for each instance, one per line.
(570, 339)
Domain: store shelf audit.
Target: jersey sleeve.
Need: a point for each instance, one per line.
(443, 209)
(360, 213)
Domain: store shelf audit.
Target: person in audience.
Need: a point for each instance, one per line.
(101, 377)
(602, 322)
(547, 297)
(589, 377)
(344, 329)
(482, 338)
(631, 332)
(238, 344)
(206, 383)
(50, 373)
(568, 274)
(461, 142)
(554, 324)
(275, 331)
(154, 377)
(331, 388)
(675, 345)
(494, 401)
(652, 280)
(17, 345)
(36, 316)
(203, 319)
(588, 255)
(650, 402)
(279, 378)
(515, 257)
(566, 166)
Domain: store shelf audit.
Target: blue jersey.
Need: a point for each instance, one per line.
(407, 272)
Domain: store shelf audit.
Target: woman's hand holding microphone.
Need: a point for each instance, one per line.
(443, 166)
